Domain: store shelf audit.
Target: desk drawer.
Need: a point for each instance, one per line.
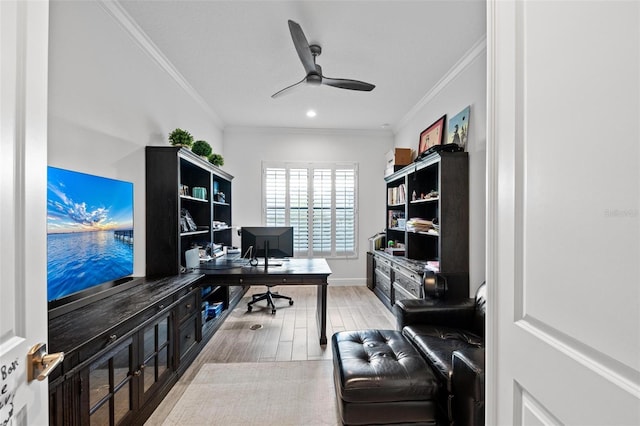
(188, 305)
(410, 283)
(400, 293)
(188, 336)
(383, 265)
(383, 283)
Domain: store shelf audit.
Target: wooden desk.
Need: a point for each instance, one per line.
(235, 271)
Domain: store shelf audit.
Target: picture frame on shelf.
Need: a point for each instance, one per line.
(458, 128)
(431, 136)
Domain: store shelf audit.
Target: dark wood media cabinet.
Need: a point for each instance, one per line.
(124, 353)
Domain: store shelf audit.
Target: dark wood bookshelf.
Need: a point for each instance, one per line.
(440, 182)
(167, 170)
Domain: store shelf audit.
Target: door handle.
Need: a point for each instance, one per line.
(40, 364)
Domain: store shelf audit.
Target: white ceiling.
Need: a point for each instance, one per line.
(236, 54)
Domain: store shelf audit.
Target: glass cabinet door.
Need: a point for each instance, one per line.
(155, 353)
(109, 381)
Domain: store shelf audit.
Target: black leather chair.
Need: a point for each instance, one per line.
(450, 336)
(268, 296)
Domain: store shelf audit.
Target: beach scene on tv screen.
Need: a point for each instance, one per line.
(89, 231)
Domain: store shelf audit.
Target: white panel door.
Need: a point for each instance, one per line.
(563, 213)
(23, 160)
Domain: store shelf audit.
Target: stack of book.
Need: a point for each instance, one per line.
(416, 224)
(396, 195)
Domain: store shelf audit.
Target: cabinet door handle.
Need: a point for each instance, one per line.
(112, 338)
(188, 306)
(160, 307)
(137, 373)
(142, 367)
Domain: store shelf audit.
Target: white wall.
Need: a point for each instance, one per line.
(246, 148)
(108, 99)
(465, 84)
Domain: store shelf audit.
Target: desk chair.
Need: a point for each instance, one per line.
(268, 296)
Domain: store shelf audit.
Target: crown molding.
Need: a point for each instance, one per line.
(117, 12)
(467, 59)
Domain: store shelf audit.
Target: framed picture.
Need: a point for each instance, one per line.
(431, 136)
(458, 128)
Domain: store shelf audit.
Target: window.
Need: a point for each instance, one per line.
(319, 201)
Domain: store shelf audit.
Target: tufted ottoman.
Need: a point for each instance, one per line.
(380, 378)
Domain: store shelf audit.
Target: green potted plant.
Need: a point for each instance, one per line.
(201, 148)
(216, 160)
(180, 137)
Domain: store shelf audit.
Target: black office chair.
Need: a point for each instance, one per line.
(268, 296)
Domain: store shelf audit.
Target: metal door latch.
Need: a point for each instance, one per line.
(40, 364)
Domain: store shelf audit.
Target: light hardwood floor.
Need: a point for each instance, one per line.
(289, 335)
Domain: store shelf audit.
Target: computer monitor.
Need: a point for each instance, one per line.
(267, 241)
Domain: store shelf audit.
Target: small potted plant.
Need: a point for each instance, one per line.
(201, 148)
(180, 137)
(216, 160)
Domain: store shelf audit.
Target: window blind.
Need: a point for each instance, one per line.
(318, 201)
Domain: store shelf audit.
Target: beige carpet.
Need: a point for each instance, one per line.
(265, 393)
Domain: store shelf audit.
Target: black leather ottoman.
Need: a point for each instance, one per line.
(380, 378)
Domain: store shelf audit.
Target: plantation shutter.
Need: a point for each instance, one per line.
(322, 212)
(345, 233)
(275, 196)
(299, 209)
(318, 201)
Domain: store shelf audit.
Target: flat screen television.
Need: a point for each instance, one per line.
(89, 236)
(267, 242)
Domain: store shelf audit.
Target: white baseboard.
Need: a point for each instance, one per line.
(347, 281)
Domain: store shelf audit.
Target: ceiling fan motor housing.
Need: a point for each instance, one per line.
(315, 78)
(316, 50)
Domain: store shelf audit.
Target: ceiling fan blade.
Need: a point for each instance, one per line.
(302, 47)
(287, 89)
(348, 84)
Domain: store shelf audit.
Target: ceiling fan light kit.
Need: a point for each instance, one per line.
(307, 54)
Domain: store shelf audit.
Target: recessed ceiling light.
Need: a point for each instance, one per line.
(311, 113)
(385, 126)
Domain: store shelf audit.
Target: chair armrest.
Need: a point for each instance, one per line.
(466, 404)
(442, 312)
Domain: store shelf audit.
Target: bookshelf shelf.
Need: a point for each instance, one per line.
(189, 198)
(186, 234)
(426, 200)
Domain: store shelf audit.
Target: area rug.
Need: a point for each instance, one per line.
(265, 393)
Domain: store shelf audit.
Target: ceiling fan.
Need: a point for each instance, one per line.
(308, 54)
